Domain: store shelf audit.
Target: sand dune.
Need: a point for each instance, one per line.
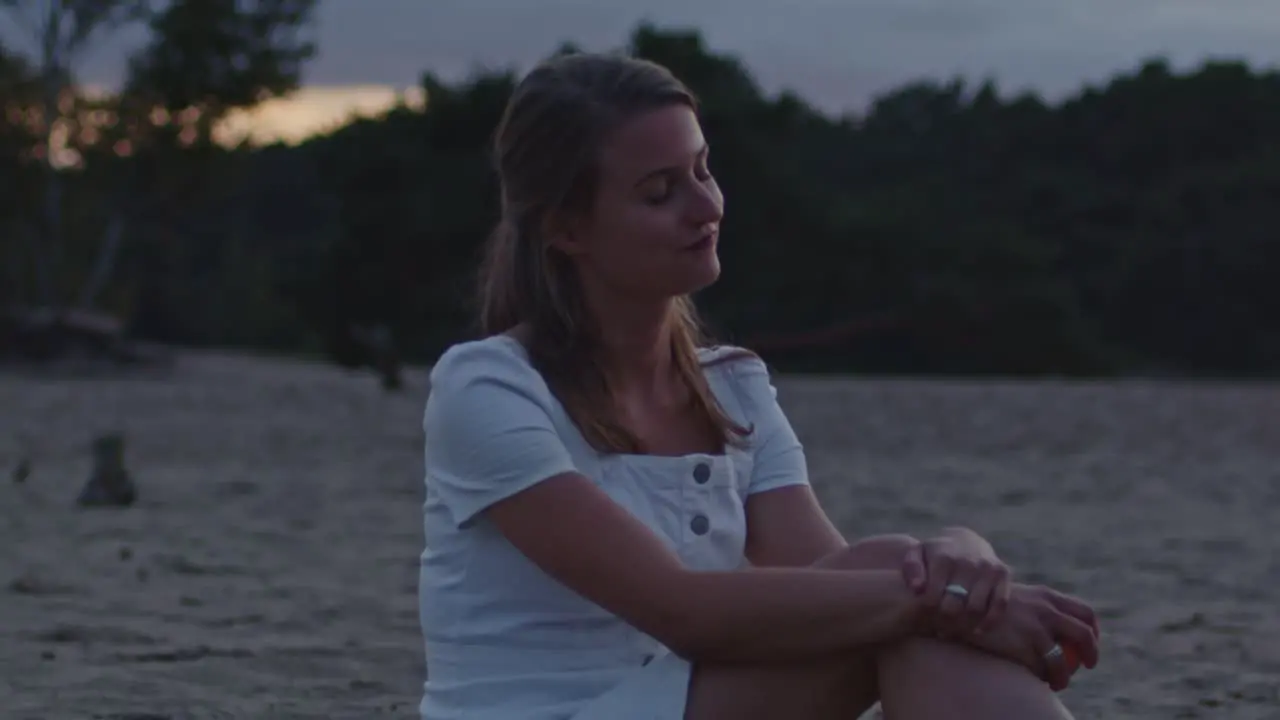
(269, 570)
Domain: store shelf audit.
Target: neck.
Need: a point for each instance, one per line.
(635, 343)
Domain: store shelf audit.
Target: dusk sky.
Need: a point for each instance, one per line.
(836, 53)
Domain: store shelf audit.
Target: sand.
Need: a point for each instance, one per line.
(269, 569)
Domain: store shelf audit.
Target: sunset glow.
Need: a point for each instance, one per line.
(312, 111)
(292, 119)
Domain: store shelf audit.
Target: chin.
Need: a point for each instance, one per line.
(703, 277)
(685, 277)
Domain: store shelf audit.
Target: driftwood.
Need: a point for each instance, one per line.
(41, 336)
(22, 471)
(373, 347)
(109, 485)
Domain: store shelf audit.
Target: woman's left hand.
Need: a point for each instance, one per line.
(959, 574)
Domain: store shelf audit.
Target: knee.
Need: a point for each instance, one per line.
(878, 552)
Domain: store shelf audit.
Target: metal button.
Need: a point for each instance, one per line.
(701, 473)
(699, 524)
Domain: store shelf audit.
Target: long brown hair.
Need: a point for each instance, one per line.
(546, 152)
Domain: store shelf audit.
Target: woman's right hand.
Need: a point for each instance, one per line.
(1036, 619)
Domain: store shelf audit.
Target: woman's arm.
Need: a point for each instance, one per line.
(578, 535)
(787, 527)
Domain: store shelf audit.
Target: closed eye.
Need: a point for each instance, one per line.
(659, 190)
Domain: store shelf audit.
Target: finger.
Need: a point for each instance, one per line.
(1071, 631)
(1074, 607)
(913, 569)
(939, 568)
(1079, 610)
(986, 576)
(999, 600)
(1053, 661)
(952, 609)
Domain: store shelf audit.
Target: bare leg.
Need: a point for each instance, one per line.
(934, 679)
(919, 679)
(839, 690)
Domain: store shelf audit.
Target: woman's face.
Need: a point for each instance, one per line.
(654, 227)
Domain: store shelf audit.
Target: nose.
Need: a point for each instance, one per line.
(706, 206)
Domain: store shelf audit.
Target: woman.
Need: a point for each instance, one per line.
(618, 518)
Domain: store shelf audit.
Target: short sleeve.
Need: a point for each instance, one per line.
(778, 456)
(488, 428)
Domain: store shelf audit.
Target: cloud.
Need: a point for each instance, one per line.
(841, 52)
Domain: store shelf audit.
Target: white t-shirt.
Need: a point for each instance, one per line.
(503, 639)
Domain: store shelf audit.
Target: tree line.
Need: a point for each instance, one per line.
(1129, 228)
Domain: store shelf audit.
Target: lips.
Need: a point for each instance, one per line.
(703, 244)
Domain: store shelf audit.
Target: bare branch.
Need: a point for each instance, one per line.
(90, 17)
(104, 264)
(63, 30)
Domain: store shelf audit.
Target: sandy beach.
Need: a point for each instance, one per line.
(269, 569)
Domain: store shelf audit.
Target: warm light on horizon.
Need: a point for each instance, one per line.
(290, 119)
(313, 110)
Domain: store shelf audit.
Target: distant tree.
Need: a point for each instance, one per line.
(62, 30)
(207, 58)
(19, 245)
(947, 228)
(204, 59)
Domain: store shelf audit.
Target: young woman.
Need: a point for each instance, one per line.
(618, 518)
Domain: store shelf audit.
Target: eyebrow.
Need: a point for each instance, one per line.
(702, 151)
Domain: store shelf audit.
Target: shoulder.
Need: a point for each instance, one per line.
(490, 425)
(498, 357)
(741, 379)
(487, 376)
(741, 366)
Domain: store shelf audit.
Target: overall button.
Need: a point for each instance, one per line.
(701, 473)
(699, 524)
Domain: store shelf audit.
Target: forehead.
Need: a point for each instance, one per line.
(659, 138)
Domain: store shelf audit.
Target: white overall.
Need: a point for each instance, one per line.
(505, 641)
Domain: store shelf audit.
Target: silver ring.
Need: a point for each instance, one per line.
(959, 591)
(1054, 653)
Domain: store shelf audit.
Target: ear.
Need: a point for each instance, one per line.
(564, 234)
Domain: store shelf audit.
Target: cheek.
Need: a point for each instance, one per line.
(638, 245)
(643, 234)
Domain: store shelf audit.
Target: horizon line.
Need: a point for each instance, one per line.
(316, 109)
